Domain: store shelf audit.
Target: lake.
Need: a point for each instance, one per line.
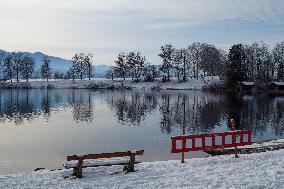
(40, 127)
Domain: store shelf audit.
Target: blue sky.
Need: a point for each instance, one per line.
(107, 27)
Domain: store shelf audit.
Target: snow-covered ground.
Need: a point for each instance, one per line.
(117, 83)
(262, 170)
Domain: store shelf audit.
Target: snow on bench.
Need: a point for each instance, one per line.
(77, 162)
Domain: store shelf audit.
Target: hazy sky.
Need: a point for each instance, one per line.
(107, 27)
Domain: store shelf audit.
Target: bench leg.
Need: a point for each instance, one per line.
(74, 172)
(77, 171)
(131, 162)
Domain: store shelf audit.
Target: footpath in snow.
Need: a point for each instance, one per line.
(100, 83)
(261, 170)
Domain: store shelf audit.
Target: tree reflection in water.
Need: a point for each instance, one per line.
(202, 111)
(131, 107)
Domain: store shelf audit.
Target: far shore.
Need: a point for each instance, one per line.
(102, 83)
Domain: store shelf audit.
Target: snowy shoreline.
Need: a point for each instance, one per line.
(99, 83)
(261, 170)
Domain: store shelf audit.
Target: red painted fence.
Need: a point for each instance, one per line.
(188, 143)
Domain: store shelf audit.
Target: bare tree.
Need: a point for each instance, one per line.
(136, 64)
(17, 59)
(278, 59)
(88, 62)
(7, 67)
(177, 62)
(121, 66)
(210, 60)
(195, 50)
(167, 56)
(78, 65)
(27, 67)
(45, 69)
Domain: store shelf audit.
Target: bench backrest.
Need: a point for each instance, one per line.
(105, 155)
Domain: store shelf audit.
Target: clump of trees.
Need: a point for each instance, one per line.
(133, 65)
(191, 61)
(82, 66)
(15, 64)
(255, 63)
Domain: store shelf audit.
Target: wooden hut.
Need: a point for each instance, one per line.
(277, 86)
(246, 86)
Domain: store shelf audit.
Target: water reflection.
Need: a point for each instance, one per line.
(199, 111)
(82, 106)
(131, 108)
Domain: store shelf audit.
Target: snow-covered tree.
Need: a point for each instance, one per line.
(194, 51)
(7, 66)
(136, 64)
(167, 52)
(210, 61)
(45, 69)
(278, 59)
(121, 66)
(78, 65)
(178, 62)
(263, 62)
(88, 63)
(27, 67)
(17, 60)
(58, 75)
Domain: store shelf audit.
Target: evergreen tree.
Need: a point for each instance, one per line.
(235, 71)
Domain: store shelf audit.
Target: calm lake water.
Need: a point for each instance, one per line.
(39, 128)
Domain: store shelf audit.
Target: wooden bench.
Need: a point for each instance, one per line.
(128, 165)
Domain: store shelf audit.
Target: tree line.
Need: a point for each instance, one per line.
(18, 66)
(196, 60)
(255, 63)
(243, 62)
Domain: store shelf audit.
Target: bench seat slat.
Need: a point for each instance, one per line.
(104, 155)
(99, 165)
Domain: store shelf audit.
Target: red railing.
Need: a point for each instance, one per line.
(188, 143)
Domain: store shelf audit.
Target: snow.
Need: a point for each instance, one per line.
(261, 170)
(278, 83)
(270, 143)
(265, 144)
(118, 83)
(97, 162)
(248, 83)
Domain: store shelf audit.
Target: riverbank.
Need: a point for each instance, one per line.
(261, 170)
(99, 83)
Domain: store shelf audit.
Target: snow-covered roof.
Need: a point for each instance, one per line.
(248, 83)
(278, 83)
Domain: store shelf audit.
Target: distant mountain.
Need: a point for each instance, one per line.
(60, 64)
(101, 70)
